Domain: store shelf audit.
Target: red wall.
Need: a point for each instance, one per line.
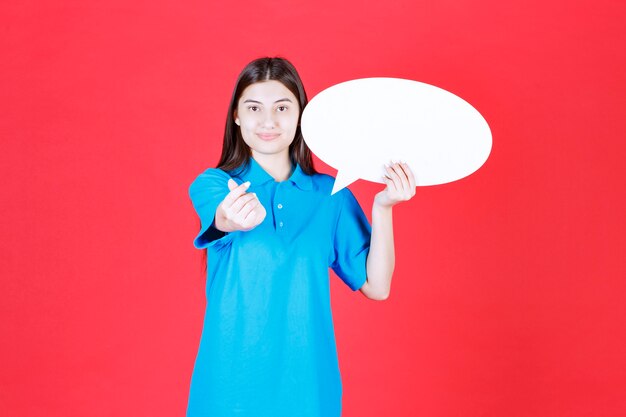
(508, 296)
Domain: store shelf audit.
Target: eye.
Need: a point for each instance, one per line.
(282, 108)
(253, 108)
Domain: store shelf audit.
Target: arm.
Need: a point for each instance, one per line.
(381, 258)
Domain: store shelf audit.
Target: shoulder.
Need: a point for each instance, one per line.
(210, 177)
(323, 184)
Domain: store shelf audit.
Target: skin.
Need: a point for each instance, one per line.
(267, 113)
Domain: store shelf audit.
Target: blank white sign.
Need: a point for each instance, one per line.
(357, 126)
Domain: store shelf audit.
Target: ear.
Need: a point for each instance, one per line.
(237, 122)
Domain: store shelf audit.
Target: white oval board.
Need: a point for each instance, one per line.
(357, 126)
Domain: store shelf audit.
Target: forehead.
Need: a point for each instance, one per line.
(267, 92)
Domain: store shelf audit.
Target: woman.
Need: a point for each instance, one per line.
(272, 230)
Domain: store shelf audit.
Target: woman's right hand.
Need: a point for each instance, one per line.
(239, 210)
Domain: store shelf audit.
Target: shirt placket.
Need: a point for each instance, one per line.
(278, 209)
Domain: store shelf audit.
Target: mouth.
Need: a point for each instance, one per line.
(268, 136)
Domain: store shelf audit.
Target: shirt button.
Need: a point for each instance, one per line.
(280, 224)
(279, 206)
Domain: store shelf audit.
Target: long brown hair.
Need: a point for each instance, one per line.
(235, 152)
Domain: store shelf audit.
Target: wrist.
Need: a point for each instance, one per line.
(381, 208)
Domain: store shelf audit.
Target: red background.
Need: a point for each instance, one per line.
(508, 294)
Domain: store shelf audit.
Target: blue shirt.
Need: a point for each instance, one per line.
(268, 345)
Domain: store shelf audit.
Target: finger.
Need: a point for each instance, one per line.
(235, 193)
(245, 210)
(410, 175)
(246, 224)
(255, 216)
(389, 182)
(241, 202)
(397, 167)
(391, 173)
(232, 184)
(261, 211)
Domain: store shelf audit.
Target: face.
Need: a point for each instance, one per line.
(267, 114)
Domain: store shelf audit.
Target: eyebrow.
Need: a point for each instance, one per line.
(258, 102)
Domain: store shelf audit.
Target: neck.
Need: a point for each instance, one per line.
(277, 165)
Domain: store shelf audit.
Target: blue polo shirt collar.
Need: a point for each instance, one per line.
(258, 176)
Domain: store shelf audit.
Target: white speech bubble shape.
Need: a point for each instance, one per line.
(357, 126)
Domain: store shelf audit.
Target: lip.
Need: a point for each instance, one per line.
(268, 136)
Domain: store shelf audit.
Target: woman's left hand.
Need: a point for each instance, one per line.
(400, 185)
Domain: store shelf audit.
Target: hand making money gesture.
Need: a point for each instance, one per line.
(239, 210)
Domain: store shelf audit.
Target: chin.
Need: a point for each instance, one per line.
(269, 150)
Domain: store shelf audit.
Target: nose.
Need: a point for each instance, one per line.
(268, 121)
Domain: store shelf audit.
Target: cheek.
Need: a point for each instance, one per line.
(248, 123)
(290, 121)
(247, 129)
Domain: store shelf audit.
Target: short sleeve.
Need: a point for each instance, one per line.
(206, 192)
(351, 242)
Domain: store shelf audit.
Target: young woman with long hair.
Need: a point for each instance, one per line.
(271, 230)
